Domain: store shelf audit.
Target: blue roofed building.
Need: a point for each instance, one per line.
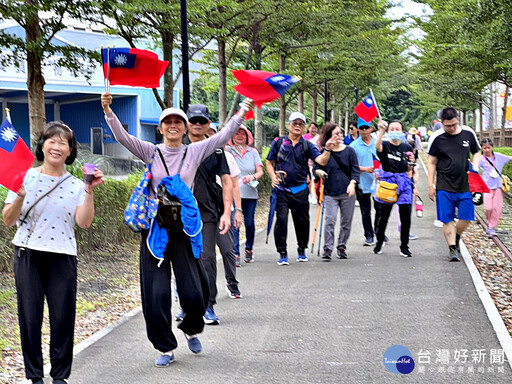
(76, 101)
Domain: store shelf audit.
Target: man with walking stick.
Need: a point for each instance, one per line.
(290, 154)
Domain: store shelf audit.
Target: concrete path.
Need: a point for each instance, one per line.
(326, 322)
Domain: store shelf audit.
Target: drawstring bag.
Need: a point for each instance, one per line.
(141, 208)
(419, 207)
(387, 192)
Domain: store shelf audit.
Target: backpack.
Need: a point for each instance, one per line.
(305, 149)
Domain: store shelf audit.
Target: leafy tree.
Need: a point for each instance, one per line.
(41, 20)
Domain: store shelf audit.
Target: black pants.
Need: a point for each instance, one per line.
(299, 206)
(211, 237)
(52, 275)
(365, 205)
(404, 211)
(156, 291)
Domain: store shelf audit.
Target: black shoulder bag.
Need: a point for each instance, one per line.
(215, 189)
(169, 206)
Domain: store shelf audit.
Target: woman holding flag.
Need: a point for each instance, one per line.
(45, 209)
(396, 159)
(190, 277)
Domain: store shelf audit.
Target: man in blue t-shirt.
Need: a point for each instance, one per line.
(290, 154)
(448, 154)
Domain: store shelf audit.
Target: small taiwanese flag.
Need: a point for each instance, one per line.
(476, 181)
(15, 157)
(376, 162)
(132, 66)
(367, 109)
(261, 86)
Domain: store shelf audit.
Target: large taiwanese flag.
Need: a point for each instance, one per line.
(261, 86)
(132, 66)
(476, 181)
(15, 157)
(367, 109)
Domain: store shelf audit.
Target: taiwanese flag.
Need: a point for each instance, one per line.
(476, 182)
(367, 109)
(261, 86)
(132, 66)
(376, 162)
(15, 157)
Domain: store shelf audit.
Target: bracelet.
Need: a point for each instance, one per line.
(89, 192)
(239, 209)
(328, 150)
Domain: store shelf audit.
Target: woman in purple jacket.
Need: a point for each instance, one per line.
(189, 273)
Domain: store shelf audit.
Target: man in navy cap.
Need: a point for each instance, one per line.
(364, 146)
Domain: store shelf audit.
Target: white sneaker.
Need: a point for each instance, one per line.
(438, 223)
(357, 203)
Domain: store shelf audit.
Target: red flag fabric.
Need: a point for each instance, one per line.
(249, 115)
(15, 157)
(476, 181)
(367, 109)
(261, 86)
(133, 66)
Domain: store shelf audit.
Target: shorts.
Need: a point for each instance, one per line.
(446, 202)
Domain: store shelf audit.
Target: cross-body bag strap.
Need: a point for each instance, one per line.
(490, 162)
(165, 165)
(40, 198)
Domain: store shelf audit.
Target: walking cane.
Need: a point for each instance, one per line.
(321, 226)
(320, 202)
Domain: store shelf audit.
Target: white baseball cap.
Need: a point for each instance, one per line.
(173, 111)
(297, 115)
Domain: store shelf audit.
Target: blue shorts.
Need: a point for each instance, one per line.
(446, 202)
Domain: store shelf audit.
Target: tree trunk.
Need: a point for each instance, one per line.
(491, 112)
(301, 102)
(223, 108)
(315, 105)
(481, 111)
(258, 129)
(282, 106)
(35, 80)
(167, 47)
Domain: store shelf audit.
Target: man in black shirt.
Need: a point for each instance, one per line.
(449, 150)
(214, 214)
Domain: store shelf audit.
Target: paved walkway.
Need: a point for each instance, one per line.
(326, 322)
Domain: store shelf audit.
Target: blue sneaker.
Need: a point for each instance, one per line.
(210, 317)
(194, 344)
(180, 315)
(301, 255)
(283, 260)
(164, 361)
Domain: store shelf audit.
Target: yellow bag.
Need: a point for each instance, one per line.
(387, 192)
(505, 183)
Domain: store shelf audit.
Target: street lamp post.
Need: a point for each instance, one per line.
(184, 55)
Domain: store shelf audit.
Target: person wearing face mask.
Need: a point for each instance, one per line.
(395, 161)
(492, 164)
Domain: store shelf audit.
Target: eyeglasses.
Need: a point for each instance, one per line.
(298, 124)
(364, 128)
(198, 120)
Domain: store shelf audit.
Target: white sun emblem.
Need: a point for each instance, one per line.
(9, 134)
(278, 78)
(121, 60)
(369, 101)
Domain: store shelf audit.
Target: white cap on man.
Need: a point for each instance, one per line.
(297, 115)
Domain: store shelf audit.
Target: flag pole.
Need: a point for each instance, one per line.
(8, 115)
(376, 105)
(108, 68)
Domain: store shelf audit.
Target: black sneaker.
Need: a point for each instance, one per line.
(378, 249)
(233, 291)
(406, 253)
(327, 255)
(342, 253)
(454, 254)
(249, 258)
